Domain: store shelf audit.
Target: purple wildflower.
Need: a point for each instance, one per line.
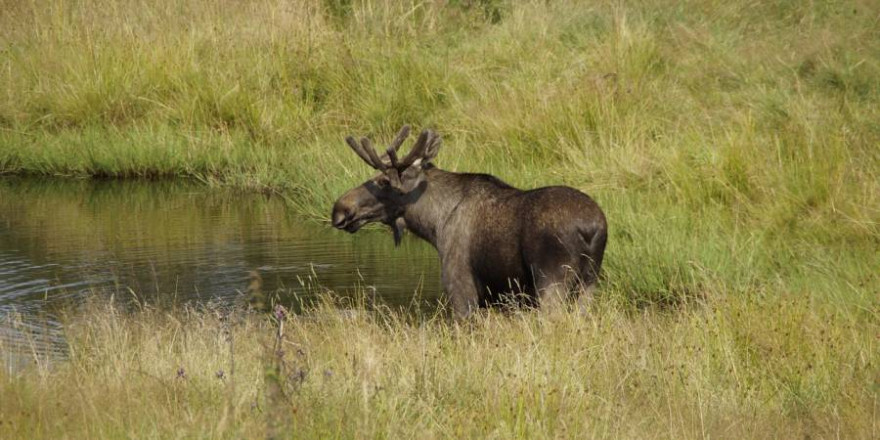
(280, 312)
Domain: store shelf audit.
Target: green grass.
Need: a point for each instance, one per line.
(698, 102)
(735, 148)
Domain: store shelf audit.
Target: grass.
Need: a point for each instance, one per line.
(770, 365)
(733, 146)
(696, 102)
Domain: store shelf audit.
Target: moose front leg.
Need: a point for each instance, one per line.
(462, 288)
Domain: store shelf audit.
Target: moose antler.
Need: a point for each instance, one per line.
(426, 145)
(433, 147)
(361, 153)
(418, 150)
(401, 136)
(367, 146)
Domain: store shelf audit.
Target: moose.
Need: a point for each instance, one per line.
(493, 239)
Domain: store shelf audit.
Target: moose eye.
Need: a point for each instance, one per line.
(382, 182)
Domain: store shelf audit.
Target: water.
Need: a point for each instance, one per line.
(62, 241)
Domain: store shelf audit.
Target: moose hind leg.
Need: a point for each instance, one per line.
(554, 268)
(553, 286)
(586, 286)
(591, 264)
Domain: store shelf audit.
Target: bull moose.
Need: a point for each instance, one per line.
(493, 239)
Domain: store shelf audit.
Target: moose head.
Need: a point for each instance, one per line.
(400, 182)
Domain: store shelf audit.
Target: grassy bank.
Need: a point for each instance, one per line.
(764, 366)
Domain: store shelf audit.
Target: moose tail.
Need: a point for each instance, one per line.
(591, 257)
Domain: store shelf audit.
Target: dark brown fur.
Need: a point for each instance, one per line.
(492, 238)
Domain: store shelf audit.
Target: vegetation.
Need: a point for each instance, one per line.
(733, 146)
(767, 366)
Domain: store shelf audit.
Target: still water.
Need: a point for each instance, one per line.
(62, 241)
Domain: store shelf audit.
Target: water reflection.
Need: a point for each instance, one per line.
(64, 240)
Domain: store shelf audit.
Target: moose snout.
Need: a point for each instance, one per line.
(341, 216)
(346, 215)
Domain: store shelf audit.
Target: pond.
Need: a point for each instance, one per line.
(62, 241)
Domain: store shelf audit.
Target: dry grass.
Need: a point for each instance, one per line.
(760, 366)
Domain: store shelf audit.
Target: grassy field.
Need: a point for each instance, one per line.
(735, 147)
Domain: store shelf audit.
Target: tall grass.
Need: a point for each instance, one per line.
(765, 366)
(771, 106)
(733, 146)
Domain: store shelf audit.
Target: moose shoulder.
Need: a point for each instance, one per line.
(492, 238)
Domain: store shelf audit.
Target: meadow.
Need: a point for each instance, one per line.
(734, 146)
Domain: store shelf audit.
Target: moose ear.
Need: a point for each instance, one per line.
(397, 228)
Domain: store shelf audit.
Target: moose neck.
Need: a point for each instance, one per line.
(425, 215)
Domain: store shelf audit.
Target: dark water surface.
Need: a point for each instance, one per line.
(62, 241)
